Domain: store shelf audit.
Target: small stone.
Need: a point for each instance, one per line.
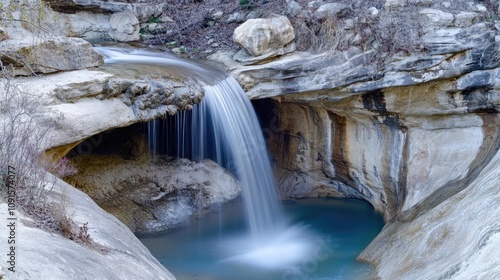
(293, 8)
(356, 40)
(446, 4)
(349, 24)
(331, 10)
(217, 15)
(465, 19)
(373, 11)
(153, 27)
(215, 45)
(209, 51)
(315, 4)
(211, 23)
(436, 18)
(178, 51)
(236, 17)
(165, 19)
(211, 41)
(422, 3)
(252, 15)
(481, 8)
(391, 5)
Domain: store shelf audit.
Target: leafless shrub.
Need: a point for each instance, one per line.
(25, 123)
(193, 27)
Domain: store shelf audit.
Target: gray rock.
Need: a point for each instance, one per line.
(422, 3)
(374, 12)
(48, 55)
(143, 10)
(332, 10)
(433, 18)
(293, 8)
(124, 27)
(88, 26)
(391, 5)
(216, 15)
(466, 19)
(236, 18)
(263, 36)
(315, 4)
(252, 15)
(247, 59)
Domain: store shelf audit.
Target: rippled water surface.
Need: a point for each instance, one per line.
(322, 241)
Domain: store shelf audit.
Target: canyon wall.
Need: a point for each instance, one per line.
(415, 133)
(417, 136)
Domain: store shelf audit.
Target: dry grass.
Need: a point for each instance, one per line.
(388, 33)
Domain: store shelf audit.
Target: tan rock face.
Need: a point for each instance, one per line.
(151, 195)
(262, 36)
(388, 147)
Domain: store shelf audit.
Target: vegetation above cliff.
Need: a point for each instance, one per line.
(204, 26)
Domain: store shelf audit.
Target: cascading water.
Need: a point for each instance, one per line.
(224, 126)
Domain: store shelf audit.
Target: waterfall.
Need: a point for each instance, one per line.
(223, 126)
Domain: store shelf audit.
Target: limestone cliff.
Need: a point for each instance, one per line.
(414, 134)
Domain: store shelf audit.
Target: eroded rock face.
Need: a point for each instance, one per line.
(414, 135)
(30, 55)
(85, 102)
(144, 9)
(126, 258)
(459, 239)
(387, 147)
(151, 195)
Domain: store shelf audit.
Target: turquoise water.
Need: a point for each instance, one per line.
(327, 234)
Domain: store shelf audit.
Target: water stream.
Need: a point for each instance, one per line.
(224, 127)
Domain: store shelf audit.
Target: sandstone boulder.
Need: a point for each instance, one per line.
(124, 27)
(264, 36)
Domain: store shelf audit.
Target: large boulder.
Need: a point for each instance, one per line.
(124, 27)
(260, 37)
